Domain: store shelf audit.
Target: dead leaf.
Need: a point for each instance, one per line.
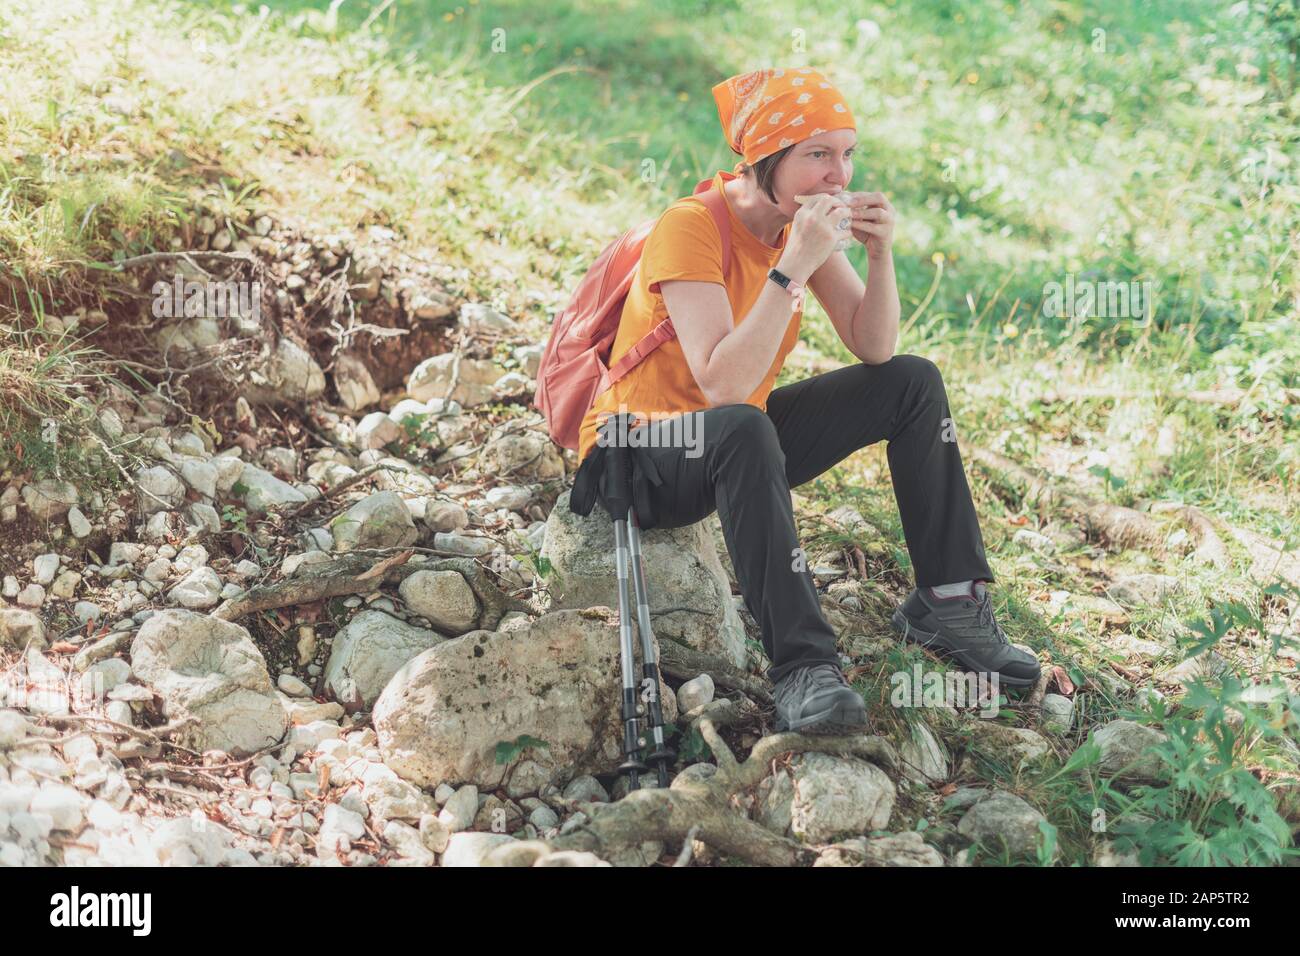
(63, 647)
(1062, 681)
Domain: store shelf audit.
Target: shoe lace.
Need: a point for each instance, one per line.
(985, 608)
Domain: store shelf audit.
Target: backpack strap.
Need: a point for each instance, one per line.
(716, 203)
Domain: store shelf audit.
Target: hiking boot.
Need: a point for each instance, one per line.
(963, 628)
(817, 699)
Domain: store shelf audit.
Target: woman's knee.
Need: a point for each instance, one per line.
(917, 368)
(745, 427)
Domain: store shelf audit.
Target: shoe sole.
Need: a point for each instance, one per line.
(934, 641)
(836, 719)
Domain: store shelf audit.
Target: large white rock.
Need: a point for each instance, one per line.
(209, 669)
(289, 375)
(369, 651)
(444, 598)
(690, 595)
(441, 716)
(158, 489)
(354, 383)
(1003, 821)
(19, 627)
(50, 498)
(264, 490)
(433, 377)
(381, 520)
(822, 798)
(198, 590)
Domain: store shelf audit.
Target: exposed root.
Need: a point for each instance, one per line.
(701, 808)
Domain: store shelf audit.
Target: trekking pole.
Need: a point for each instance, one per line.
(662, 756)
(618, 502)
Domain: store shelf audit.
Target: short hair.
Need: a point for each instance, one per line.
(765, 170)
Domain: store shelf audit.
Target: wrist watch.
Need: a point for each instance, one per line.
(784, 281)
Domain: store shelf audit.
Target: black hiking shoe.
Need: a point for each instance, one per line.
(963, 628)
(817, 699)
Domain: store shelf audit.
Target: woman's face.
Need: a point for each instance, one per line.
(822, 164)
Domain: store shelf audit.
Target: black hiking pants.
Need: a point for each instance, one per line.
(742, 462)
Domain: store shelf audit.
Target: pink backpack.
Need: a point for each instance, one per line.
(575, 364)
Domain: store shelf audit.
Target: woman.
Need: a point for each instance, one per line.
(790, 220)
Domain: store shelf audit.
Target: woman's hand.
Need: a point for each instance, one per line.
(872, 220)
(821, 224)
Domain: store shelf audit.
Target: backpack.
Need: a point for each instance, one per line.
(575, 368)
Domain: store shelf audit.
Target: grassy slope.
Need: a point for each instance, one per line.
(514, 140)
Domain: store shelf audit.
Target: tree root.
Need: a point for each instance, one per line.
(685, 663)
(361, 573)
(702, 805)
(1114, 524)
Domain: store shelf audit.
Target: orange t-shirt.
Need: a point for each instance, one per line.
(684, 244)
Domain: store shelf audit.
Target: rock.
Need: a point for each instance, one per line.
(690, 595)
(204, 517)
(32, 596)
(377, 430)
(13, 728)
(514, 497)
(200, 475)
(44, 568)
(1001, 820)
(369, 651)
(695, 693)
(444, 598)
(470, 848)
(1126, 752)
(338, 829)
(460, 809)
(467, 545)
(263, 491)
(445, 516)
(530, 358)
(157, 489)
(354, 383)
(380, 520)
(124, 552)
(43, 690)
(211, 670)
(85, 611)
(1014, 746)
(923, 759)
(198, 590)
(587, 788)
(77, 523)
(433, 377)
(1034, 541)
(65, 585)
(49, 499)
(290, 374)
(478, 317)
(443, 714)
(183, 841)
(292, 686)
(1057, 713)
(907, 848)
(823, 798)
(529, 456)
(64, 805)
(1144, 590)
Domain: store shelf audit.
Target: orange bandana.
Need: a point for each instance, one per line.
(764, 111)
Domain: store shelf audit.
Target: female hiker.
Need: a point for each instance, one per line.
(790, 218)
